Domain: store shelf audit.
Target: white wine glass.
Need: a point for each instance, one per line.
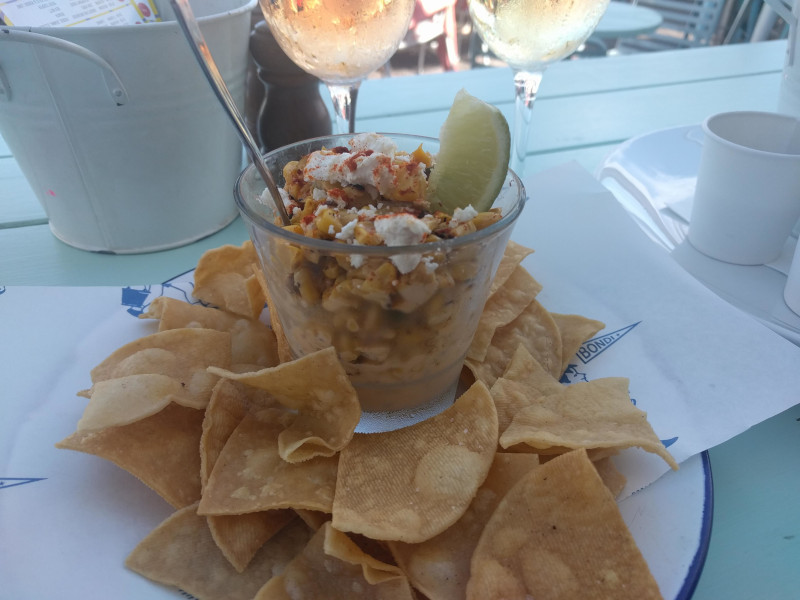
(529, 35)
(339, 41)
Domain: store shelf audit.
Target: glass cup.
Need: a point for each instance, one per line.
(402, 335)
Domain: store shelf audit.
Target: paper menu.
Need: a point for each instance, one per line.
(77, 13)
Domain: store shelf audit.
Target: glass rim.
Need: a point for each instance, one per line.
(344, 248)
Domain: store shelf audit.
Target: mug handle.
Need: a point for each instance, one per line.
(114, 84)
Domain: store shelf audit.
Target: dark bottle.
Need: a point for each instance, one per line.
(293, 108)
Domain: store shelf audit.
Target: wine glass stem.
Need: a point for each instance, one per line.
(344, 105)
(526, 85)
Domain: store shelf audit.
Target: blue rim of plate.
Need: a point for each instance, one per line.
(698, 562)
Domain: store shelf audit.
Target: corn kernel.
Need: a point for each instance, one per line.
(327, 223)
(330, 268)
(464, 228)
(420, 155)
(304, 282)
(484, 219)
(366, 235)
(289, 256)
(463, 270)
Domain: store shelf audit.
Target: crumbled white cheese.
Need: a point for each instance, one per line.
(430, 264)
(368, 212)
(464, 215)
(405, 263)
(368, 164)
(401, 229)
(347, 231)
(356, 260)
(266, 198)
(375, 142)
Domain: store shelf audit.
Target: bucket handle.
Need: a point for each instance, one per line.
(113, 82)
(792, 17)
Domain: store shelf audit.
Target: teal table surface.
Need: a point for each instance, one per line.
(585, 109)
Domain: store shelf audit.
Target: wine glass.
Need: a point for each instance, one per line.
(339, 41)
(528, 35)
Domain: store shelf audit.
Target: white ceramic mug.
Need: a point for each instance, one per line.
(747, 197)
(791, 293)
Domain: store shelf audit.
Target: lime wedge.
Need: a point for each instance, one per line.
(472, 162)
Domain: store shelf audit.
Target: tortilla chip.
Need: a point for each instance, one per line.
(413, 483)
(285, 353)
(125, 400)
(513, 255)
(230, 401)
(502, 308)
(161, 450)
(224, 278)
(593, 414)
(181, 552)
(252, 342)
(523, 381)
(440, 566)
(182, 354)
(535, 329)
(239, 537)
(332, 566)
(558, 534)
(313, 518)
(250, 476)
(611, 476)
(574, 330)
(317, 387)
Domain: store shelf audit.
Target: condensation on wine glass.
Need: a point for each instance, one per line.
(530, 33)
(339, 41)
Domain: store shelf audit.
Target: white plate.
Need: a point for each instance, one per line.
(653, 176)
(68, 519)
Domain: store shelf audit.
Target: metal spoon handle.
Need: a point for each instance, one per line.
(188, 23)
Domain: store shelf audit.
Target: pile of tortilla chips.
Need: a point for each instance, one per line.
(509, 493)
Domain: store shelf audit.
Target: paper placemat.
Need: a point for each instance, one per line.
(701, 369)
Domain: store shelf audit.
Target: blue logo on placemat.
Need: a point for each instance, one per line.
(592, 348)
(138, 298)
(135, 299)
(8, 482)
(571, 375)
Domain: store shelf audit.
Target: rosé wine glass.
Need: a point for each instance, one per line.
(339, 41)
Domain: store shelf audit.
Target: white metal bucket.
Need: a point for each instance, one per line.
(789, 98)
(119, 133)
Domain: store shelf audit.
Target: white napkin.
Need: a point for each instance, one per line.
(701, 369)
